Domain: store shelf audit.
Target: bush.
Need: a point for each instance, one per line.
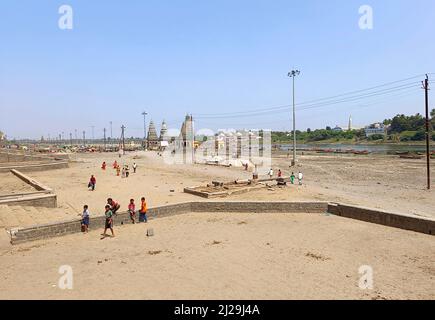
(419, 136)
(376, 137)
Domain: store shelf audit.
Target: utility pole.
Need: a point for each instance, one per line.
(75, 134)
(123, 139)
(93, 137)
(84, 138)
(70, 139)
(104, 130)
(144, 129)
(426, 93)
(193, 141)
(111, 132)
(292, 74)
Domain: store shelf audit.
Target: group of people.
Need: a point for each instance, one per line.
(110, 211)
(292, 176)
(124, 172)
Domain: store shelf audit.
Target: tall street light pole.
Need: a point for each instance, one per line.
(144, 128)
(292, 74)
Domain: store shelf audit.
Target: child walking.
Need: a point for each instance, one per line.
(132, 211)
(85, 219)
(143, 211)
(109, 221)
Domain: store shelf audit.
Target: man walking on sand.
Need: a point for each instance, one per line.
(300, 177)
(109, 221)
(271, 173)
(134, 167)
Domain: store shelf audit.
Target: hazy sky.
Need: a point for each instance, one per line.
(205, 56)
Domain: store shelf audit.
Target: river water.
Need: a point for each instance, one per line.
(378, 148)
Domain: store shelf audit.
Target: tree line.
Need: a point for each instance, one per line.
(401, 128)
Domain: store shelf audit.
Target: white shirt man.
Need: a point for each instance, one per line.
(300, 177)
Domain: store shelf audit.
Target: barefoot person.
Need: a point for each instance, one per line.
(85, 218)
(103, 166)
(132, 211)
(92, 183)
(109, 221)
(134, 167)
(271, 173)
(114, 206)
(143, 211)
(300, 177)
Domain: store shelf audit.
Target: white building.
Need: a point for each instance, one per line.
(376, 128)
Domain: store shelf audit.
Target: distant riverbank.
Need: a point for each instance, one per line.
(385, 148)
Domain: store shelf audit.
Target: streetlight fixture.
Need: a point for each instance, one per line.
(292, 74)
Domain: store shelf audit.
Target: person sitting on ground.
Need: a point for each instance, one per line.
(143, 211)
(132, 211)
(85, 218)
(109, 221)
(114, 206)
(292, 178)
(92, 183)
(103, 166)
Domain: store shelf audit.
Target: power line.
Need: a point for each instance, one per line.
(319, 100)
(313, 106)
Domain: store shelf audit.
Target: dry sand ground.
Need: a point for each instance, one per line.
(382, 182)
(10, 184)
(227, 256)
(237, 256)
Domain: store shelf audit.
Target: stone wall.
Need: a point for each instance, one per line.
(32, 200)
(413, 223)
(262, 207)
(46, 231)
(407, 222)
(10, 156)
(34, 167)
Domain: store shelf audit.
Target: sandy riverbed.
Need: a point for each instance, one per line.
(382, 182)
(227, 256)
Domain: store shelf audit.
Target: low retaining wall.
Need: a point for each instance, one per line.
(406, 222)
(35, 167)
(46, 231)
(35, 184)
(388, 219)
(31, 200)
(10, 156)
(260, 207)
